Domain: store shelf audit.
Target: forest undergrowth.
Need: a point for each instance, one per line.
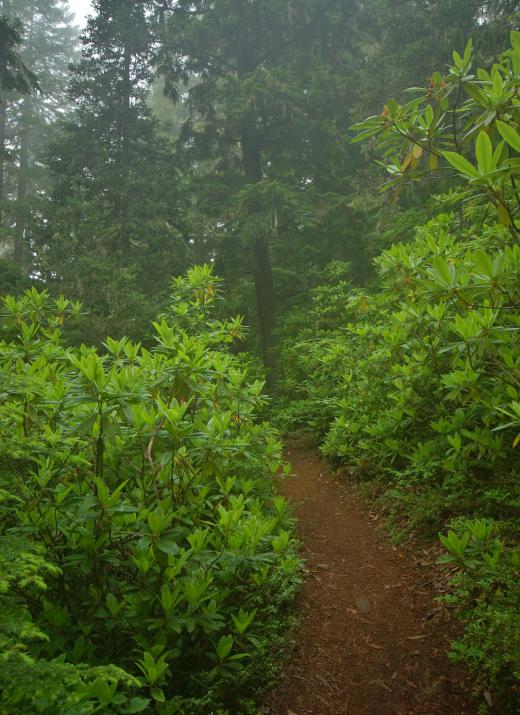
(415, 384)
(148, 562)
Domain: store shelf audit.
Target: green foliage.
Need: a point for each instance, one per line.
(417, 385)
(137, 481)
(144, 488)
(440, 350)
(27, 123)
(14, 74)
(436, 347)
(467, 118)
(449, 338)
(416, 382)
(109, 232)
(30, 684)
(310, 363)
(487, 595)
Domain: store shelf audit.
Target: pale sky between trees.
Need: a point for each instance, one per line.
(81, 8)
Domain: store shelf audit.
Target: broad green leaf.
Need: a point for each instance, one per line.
(168, 545)
(468, 51)
(475, 93)
(500, 153)
(457, 59)
(510, 135)
(366, 134)
(158, 695)
(137, 705)
(483, 263)
(484, 153)
(86, 426)
(461, 164)
(224, 647)
(441, 271)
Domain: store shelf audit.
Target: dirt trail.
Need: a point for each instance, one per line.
(368, 642)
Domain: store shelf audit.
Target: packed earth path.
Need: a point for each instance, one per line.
(372, 639)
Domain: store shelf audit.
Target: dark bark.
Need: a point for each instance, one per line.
(124, 159)
(264, 289)
(261, 255)
(3, 122)
(21, 192)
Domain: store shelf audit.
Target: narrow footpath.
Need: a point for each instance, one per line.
(373, 640)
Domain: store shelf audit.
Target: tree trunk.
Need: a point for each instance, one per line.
(125, 159)
(261, 255)
(264, 289)
(21, 191)
(3, 122)
(6, 10)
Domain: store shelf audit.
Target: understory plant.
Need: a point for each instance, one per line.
(139, 510)
(486, 594)
(416, 382)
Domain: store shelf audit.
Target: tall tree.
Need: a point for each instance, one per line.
(15, 76)
(255, 69)
(408, 40)
(110, 239)
(48, 47)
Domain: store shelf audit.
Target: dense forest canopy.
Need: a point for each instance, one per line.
(244, 167)
(344, 175)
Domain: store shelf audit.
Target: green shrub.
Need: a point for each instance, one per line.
(417, 382)
(422, 391)
(487, 595)
(145, 482)
(433, 386)
(30, 684)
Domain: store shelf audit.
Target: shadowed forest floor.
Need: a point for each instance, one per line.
(372, 639)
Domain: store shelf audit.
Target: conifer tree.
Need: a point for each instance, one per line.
(110, 239)
(255, 72)
(15, 76)
(47, 48)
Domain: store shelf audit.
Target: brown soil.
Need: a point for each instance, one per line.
(372, 640)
